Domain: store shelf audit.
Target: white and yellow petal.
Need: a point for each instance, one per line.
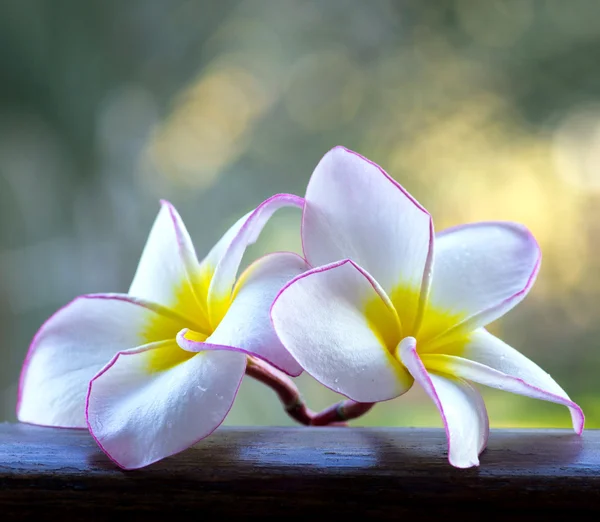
(139, 415)
(480, 272)
(74, 344)
(169, 273)
(342, 329)
(487, 360)
(460, 405)
(224, 260)
(354, 210)
(247, 323)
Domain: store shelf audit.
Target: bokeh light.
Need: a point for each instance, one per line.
(482, 110)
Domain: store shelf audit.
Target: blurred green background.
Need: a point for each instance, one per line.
(482, 110)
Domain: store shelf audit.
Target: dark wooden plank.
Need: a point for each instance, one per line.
(381, 473)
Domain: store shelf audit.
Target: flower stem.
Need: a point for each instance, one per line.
(282, 385)
(294, 405)
(341, 412)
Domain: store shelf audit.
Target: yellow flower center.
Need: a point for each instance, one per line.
(435, 322)
(188, 309)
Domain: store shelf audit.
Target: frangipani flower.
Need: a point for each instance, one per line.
(384, 308)
(112, 362)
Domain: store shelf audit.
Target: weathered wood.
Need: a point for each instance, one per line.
(380, 473)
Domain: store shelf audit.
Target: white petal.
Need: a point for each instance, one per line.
(354, 210)
(247, 323)
(341, 330)
(139, 417)
(74, 344)
(168, 272)
(461, 407)
(481, 271)
(487, 360)
(244, 233)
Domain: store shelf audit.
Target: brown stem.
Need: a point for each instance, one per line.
(289, 395)
(341, 412)
(283, 386)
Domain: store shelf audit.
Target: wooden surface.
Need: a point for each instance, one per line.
(381, 474)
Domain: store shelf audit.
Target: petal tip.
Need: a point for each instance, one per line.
(23, 375)
(31, 353)
(578, 419)
(295, 200)
(143, 462)
(299, 277)
(341, 149)
(285, 320)
(183, 342)
(464, 464)
(167, 206)
(88, 422)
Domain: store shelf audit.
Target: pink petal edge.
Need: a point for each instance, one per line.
(248, 269)
(513, 225)
(197, 347)
(174, 215)
(577, 415)
(328, 267)
(325, 268)
(431, 391)
(244, 274)
(427, 272)
(108, 367)
(516, 295)
(30, 352)
(293, 200)
(33, 345)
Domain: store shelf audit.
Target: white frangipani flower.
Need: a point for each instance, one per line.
(390, 303)
(112, 362)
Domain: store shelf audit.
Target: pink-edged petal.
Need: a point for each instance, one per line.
(481, 271)
(341, 329)
(74, 344)
(244, 233)
(138, 416)
(247, 323)
(168, 272)
(461, 407)
(488, 360)
(354, 210)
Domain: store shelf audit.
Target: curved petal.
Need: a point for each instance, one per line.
(461, 406)
(488, 360)
(168, 272)
(243, 233)
(138, 416)
(74, 344)
(247, 323)
(481, 271)
(341, 330)
(354, 210)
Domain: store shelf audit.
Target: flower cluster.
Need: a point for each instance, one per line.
(377, 302)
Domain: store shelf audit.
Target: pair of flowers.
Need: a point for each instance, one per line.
(371, 308)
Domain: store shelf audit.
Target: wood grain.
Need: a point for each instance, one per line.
(381, 474)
